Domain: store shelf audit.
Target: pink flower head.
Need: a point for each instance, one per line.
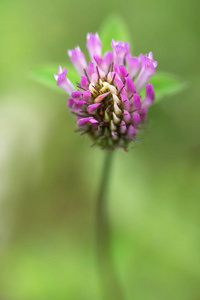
(107, 101)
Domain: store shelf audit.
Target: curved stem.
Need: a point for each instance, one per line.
(108, 276)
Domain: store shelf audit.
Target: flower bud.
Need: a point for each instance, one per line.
(112, 126)
(117, 110)
(116, 120)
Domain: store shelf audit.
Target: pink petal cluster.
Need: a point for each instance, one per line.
(107, 101)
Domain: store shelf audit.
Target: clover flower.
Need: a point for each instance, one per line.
(107, 101)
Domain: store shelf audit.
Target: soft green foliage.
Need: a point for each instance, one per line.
(166, 84)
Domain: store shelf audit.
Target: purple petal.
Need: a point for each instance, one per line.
(130, 85)
(93, 44)
(87, 95)
(78, 105)
(150, 57)
(136, 102)
(119, 83)
(94, 78)
(150, 91)
(90, 70)
(83, 121)
(70, 103)
(63, 82)
(144, 76)
(101, 97)
(150, 95)
(92, 108)
(148, 69)
(108, 58)
(136, 119)
(93, 121)
(123, 127)
(76, 94)
(104, 62)
(120, 50)
(99, 61)
(126, 102)
(127, 116)
(130, 132)
(123, 72)
(133, 65)
(78, 59)
(84, 82)
(143, 114)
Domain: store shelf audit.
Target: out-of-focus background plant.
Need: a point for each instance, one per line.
(49, 175)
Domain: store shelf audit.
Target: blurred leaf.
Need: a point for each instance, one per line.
(113, 28)
(45, 75)
(166, 84)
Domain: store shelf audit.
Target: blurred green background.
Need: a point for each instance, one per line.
(50, 175)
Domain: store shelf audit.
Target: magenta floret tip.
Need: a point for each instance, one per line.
(63, 82)
(107, 101)
(93, 45)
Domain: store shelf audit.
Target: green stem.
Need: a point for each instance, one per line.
(108, 276)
